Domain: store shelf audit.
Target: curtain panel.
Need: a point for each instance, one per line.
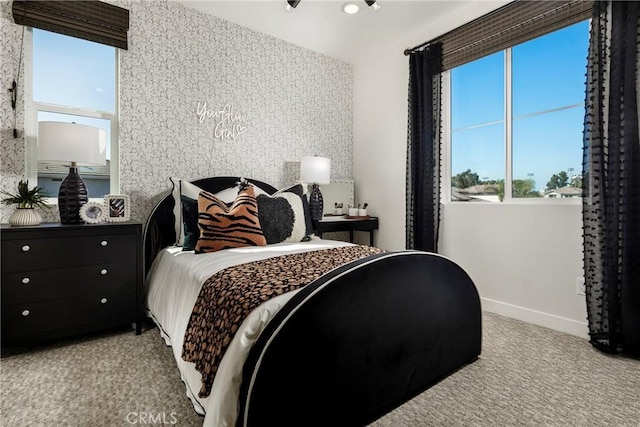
(611, 179)
(423, 149)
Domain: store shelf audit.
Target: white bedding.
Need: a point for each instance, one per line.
(173, 284)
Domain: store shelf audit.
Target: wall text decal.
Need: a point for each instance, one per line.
(229, 122)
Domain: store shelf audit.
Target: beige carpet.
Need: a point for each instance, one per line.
(526, 376)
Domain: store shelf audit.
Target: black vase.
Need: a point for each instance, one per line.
(316, 204)
(71, 196)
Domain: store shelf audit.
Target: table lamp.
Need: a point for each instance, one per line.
(74, 144)
(315, 170)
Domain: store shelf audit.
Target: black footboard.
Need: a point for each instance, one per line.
(361, 341)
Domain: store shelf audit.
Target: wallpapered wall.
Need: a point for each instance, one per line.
(12, 150)
(294, 102)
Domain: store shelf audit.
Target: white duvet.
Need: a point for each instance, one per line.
(173, 284)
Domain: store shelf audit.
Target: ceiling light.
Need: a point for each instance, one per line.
(373, 5)
(350, 8)
(291, 4)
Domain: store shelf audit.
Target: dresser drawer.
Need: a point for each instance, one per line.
(38, 317)
(44, 253)
(42, 285)
(59, 280)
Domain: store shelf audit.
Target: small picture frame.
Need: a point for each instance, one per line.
(118, 207)
(93, 213)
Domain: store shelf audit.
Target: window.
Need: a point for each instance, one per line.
(74, 80)
(516, 120)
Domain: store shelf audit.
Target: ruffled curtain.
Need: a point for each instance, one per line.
(611, 173)
(423, 149)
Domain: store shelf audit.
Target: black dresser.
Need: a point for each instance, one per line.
(60, 280)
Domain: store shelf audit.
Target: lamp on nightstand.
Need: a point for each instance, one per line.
(315, 170)
(71, 143)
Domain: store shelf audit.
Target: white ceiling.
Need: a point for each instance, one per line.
(320, 25)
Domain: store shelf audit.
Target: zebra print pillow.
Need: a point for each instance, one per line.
(225, 226)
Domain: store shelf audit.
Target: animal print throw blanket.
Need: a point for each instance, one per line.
(228, 296)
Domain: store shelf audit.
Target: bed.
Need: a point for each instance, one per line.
(352, 344)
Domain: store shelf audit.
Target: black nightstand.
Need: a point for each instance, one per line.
(344, 224)
(61, 280)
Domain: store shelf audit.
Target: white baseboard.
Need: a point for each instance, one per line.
(562, 324)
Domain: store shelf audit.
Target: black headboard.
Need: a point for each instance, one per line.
(159, 231)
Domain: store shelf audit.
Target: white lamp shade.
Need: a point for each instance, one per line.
(71, 142)
(315, 170)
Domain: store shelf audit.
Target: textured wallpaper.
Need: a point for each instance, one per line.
(268, 103)
(12, 150)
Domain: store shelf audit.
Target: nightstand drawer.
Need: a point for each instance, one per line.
(42, 285)
(33, 318)
(39, 254)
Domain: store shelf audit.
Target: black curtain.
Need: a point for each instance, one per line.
(423, 149)
(611, 173)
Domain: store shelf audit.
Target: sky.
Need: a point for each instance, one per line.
(548, 92)
(75, 73)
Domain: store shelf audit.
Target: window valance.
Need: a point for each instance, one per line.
(87, 19)
(508, 26)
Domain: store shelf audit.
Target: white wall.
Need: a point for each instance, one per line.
(524, 259)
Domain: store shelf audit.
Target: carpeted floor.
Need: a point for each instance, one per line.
(526, 376)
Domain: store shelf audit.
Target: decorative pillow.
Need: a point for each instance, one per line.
(307, 213)
(191, 191)
(222, 226)
(301, 190)
(191, 232)
(284, 217)
(181, 188)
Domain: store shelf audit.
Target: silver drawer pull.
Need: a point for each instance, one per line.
(103, 271)
(26, 248)
(25, 313)
(103, 301)
(104, 243)
(25, 280)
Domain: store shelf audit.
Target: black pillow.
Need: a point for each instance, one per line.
(190, 218)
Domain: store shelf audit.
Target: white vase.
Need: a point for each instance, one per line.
(25, 216)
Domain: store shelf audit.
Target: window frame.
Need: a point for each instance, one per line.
(31, 122)
(446, 135)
